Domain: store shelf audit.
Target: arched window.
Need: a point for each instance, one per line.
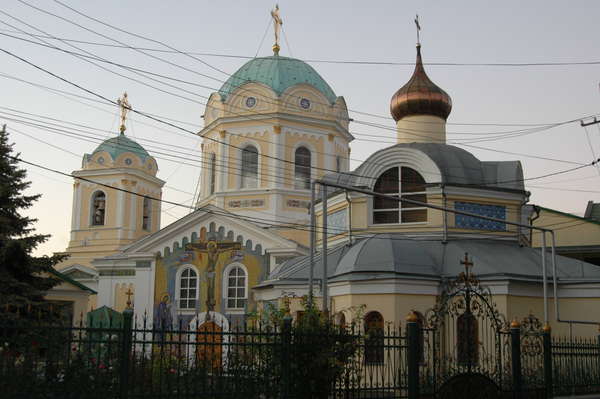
(212, 173)
(237, 292)
(400, 182)
(188, 289)
(302, 162)
(374, 338)
(147, 214)
(249, 167)
(98, 208)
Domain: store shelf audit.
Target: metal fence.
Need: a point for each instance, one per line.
(130, 360)
(135, 361)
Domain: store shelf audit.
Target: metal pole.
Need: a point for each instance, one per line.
(313, 240)
(324, 247)
(544, 277)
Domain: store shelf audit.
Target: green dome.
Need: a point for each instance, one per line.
(120, 144)
(278, 73)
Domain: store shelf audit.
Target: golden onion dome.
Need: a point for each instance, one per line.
(420, 96)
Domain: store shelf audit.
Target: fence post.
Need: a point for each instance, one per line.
(286, 344)
(547, 338)
(125, 352)
(515, 341)
(412, 337)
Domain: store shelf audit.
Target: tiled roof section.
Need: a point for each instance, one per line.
(279, 73)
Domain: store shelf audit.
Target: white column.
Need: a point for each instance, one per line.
(329, 156)
(222, 161)
(277, 166)
(120, 209)
(144, 292)
(76, 212)
(105, 291)
(133, 210)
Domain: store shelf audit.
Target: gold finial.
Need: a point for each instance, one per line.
(129, 293)
(125, 108)
(546, 328)
(412, 317)
(418, 30)
(277, 22)
(515, 323)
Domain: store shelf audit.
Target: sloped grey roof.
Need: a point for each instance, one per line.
(395, 255)
(457, 166)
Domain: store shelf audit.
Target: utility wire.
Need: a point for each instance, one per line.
(138, 36)
(331, 61)
(216, 140)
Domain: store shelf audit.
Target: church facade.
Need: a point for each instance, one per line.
(274, 127)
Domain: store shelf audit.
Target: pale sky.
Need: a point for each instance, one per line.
(378, 31)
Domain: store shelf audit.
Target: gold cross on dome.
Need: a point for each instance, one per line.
(467, 264)
(129, 293)
(125, 108)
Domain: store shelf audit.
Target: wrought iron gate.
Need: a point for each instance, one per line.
(466, 342)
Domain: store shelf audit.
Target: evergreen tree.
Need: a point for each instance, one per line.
(24, 279)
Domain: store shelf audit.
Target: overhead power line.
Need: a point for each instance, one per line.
(329, 61)
(135, 110)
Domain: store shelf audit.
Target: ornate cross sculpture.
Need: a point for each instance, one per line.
(277, 22)
(467, 263)
(212, 248)
(125, 108)
(129, 293)
(418, 29)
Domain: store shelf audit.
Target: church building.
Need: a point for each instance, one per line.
(274, 127)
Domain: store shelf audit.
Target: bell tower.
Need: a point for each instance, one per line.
(115, 197)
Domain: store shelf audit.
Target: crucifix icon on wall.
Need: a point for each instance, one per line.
(212, 249)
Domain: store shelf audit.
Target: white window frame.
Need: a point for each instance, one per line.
(178, 276)
(225, 288)
(399, 193)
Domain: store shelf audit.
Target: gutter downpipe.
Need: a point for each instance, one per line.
(313, 233)
(324, 250)
(545, 277)
(445, 205)
(349, 218)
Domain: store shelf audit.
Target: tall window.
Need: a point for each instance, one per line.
(302, 168)
(338, 164)
(98, 208)
(249, 167)
(374, 338)
(188, 289)
(236, 288)
(212, 172)
(147, 214)
(400, 182)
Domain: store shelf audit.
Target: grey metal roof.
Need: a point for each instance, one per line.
(396, 255)
(456, 165)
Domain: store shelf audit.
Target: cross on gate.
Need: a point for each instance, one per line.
(467, 263)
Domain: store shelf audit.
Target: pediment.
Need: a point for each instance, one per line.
(216, 221)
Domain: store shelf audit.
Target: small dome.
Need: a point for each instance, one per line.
(121, 144)
(279, 73)
(420, 96)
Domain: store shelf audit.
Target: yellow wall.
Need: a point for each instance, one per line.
(569, 230)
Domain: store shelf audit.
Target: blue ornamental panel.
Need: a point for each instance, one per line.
(337, 222)
(469, 222)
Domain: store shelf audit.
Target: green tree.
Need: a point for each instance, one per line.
(24, 279)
